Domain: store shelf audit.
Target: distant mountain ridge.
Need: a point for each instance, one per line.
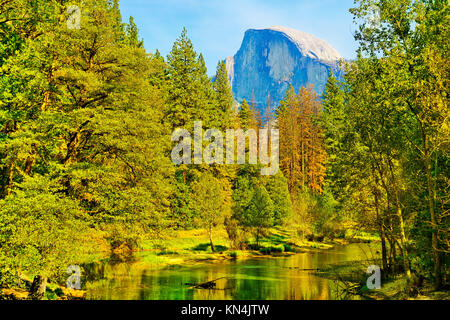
(271, 59)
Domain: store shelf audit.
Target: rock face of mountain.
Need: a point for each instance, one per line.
(271, 59)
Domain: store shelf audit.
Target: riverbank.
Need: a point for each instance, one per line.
(395, 289)
(181, 247)
(192, 246)
(352, 279)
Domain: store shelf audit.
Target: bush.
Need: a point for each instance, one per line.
(272, 249)
(278, 248)
(234, 254)
(236, 234)
(265, 250)
(207, 247)
(319, 238)
(121, 239)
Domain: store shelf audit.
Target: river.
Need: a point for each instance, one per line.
(277, 278)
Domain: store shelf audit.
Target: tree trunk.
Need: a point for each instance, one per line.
(257, 238)
(210, 239)
(76, 139)
(303, 163)
(383, 248)
(380, 220)
(392, 250)
(401, 226)
(431, 202)
(38, 287)
(382, 234)
(403, 244)
(30, 160)
(434, 226)
(391, 237)
(45, 100)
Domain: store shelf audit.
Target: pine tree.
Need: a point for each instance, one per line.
(187, 100)
(133, 34)
(246, 116)
(332, 121)
(224, 95)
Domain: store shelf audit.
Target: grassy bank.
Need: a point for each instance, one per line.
(192, 246)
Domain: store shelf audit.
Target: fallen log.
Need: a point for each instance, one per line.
(303, 269)
(205, 285)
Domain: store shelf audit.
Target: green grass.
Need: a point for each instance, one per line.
(193, 245)
(153, 259)
(187, 241)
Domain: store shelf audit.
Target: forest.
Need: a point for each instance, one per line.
(87, 114)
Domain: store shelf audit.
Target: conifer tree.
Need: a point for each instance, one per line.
(133, 34)
(224, 94)
(187, 97)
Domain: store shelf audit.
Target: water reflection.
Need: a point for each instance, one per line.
(270, 278)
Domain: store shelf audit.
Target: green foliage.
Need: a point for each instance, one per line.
(245, 115)
(224, 96)
(272, 249)
(210, 202)
(209, 199)
(190, 92)
(133, 34)
(82, 146)
(246, 184)
(85, 122)
(258, 215)
(43, 232)
(278, 191)
(385, 127)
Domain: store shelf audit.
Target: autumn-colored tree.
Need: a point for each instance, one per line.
(302, 153)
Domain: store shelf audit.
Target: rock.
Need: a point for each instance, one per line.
(271, 59)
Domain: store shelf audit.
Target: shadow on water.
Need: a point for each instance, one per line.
(280, 278)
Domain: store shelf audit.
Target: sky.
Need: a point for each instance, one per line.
(217, 27)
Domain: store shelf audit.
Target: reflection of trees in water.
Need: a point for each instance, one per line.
(93, 271)
(163, 285)
(113, 281)
(273, 278)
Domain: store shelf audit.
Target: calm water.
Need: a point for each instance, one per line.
(263, 278)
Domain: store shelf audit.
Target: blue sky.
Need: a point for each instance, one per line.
(216, 27)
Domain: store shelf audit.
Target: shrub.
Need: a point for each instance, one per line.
(272, 249)
(236, 234)
(234, 254)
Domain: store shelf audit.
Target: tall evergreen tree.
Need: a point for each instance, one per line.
(224, 95)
